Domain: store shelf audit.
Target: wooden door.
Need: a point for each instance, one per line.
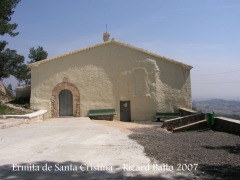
(125, 111)
(65, 103)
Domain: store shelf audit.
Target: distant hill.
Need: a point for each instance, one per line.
(221, 107)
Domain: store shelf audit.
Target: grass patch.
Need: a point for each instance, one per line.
(4, 110)
(20, 103)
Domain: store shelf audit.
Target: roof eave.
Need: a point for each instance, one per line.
(186, 66)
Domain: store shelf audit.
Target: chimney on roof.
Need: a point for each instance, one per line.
(106, 36)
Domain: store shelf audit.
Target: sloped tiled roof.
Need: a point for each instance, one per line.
(112, 42)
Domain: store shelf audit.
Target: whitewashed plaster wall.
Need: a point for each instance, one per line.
(111, 73)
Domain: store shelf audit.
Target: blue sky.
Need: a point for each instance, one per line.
(204, 34)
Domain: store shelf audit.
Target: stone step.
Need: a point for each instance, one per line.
(193, 126)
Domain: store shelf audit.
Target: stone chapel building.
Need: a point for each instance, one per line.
(135, 82)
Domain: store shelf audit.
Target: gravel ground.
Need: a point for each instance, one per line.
(216, 153)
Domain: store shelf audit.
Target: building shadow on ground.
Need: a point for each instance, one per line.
(68, 170)
(226, 172)
(229, 149)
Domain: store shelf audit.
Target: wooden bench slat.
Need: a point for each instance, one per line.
(166, 115)
(99, 112)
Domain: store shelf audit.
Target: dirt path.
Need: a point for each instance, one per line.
(73, 142)
(127, 127)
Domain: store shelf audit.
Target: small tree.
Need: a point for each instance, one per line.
(9, 61)
(23, 74)
(7, 9)
(37, 54)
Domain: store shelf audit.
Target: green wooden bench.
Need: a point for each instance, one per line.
(102, 113)
(160, 115)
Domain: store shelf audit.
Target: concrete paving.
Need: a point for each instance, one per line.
(73, 148)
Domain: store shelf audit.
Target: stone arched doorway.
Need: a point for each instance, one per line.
(62, 92)
(65, 103)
